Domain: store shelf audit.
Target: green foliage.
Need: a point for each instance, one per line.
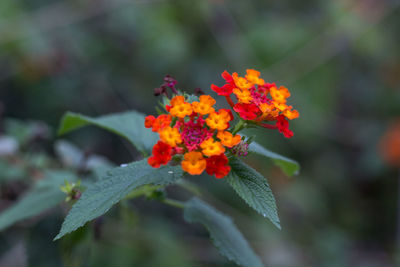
(254, 189)
(129, 125)
(71, 156)
(9, 172)
(113, 187)
(44, 195)
(23, 131)
(289, 166)
(226, 237)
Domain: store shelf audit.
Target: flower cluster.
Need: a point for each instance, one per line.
(258, 101)
(196, 132)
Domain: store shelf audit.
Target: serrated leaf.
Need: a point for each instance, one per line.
(110, 189)
(254, 189)
(223, 232)
(289, 166)
(129, 125)
(44, 195)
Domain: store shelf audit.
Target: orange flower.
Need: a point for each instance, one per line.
(179, 108)
(211, 148)
(243, 95)
(241, 82)
(219, 120)
(157, 123)
(291, 114)
(253, 76)
(170, 136)
(193, 163)
(204, 107)
(280, 95)
(227, 139)
(179, 99)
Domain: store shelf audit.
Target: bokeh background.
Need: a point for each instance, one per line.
(340, 59)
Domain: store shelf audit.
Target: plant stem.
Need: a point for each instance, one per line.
(174, 203)
(269, 126)
(229, 100)
(239, 126)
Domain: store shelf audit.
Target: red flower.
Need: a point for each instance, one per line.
(149, 121)
(283, 126)
(228, 78)
(218, 166)
(159, 123)
(162, 154)
(247, 111)
(225, 90)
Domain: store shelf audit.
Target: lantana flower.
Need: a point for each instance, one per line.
(257, 101)
(200, 137)
(196, 132)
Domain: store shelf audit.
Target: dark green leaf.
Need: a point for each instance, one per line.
(254, 189)
(129, 125)
(44, 195)
(223, 232)
(289, 166)
(109, 190)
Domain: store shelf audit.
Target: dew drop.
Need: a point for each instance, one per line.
(265, 215)
(170, 172)
(123, 165)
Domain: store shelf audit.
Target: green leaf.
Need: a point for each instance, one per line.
(254, 189)
(129, 125)
(223, 232)
(10, 172)
(44, 195)
(113, 187)
(71, 156)
(289, 166)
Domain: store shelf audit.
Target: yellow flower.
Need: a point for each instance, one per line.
(170, 136)
(212, 148)
(219, 120)
(204, 107)
(227, 139)
(194, 163)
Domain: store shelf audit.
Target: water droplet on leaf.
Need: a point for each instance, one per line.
(123, 165)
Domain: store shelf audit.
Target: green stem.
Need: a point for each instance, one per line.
(174, 203)
(239, 126)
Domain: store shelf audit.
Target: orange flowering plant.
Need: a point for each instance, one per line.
(190, 135)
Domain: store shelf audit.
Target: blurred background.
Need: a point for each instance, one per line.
(340, 60)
